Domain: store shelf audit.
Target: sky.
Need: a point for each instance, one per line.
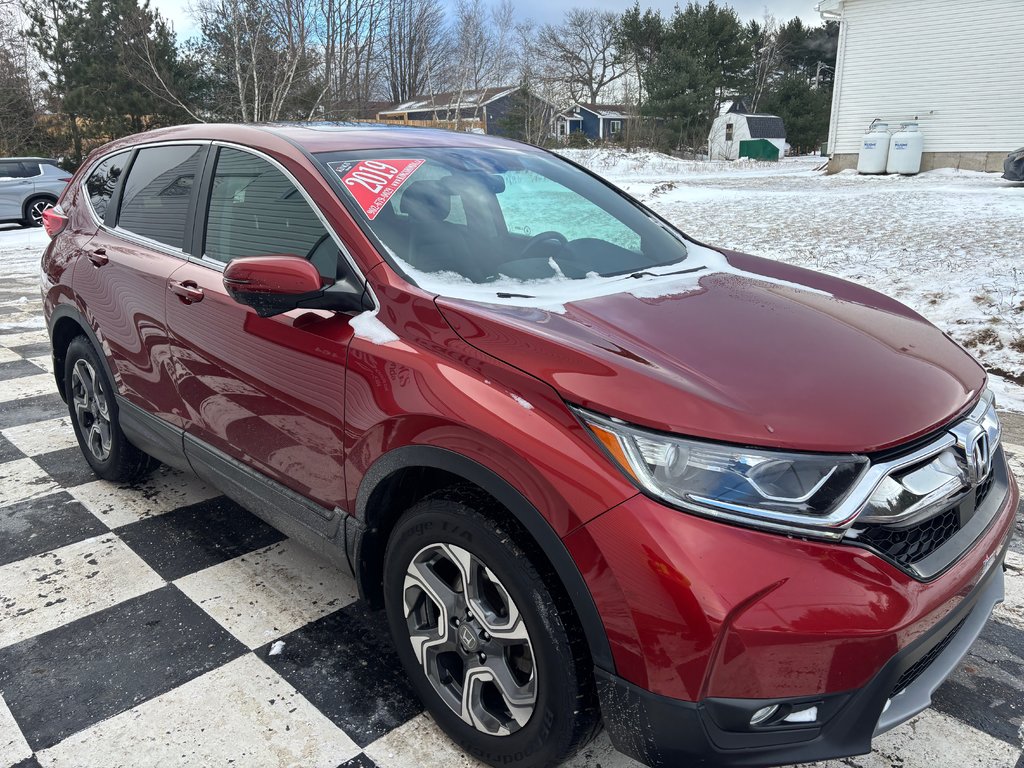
(545, 11)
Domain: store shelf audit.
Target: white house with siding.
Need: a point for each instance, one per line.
(954, 66)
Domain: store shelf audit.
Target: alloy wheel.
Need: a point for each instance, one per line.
(92, 409)
(470, 639)
(35, 211)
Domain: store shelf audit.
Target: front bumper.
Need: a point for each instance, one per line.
(659, 730)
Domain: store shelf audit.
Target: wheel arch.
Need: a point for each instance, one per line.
(65, 323)
(404, 475)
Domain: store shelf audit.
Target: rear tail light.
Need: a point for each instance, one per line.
(54, 221)
(65, 178)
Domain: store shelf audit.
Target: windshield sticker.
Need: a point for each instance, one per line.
(372, 182)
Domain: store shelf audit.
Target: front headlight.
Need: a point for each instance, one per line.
(794, 492)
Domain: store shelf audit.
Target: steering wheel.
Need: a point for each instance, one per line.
(543, 237)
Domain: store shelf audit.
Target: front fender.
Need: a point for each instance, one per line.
(528, 516)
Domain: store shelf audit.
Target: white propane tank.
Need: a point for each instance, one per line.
(874, 149)
(905, 149)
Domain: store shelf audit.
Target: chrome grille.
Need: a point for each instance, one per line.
(925, 499)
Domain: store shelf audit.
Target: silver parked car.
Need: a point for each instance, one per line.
(28, 186)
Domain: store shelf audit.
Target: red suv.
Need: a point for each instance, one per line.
(592, 469)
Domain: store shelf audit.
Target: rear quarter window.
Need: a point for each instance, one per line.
(156, 193)
(101, 182)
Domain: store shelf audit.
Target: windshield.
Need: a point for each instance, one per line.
(515, 221)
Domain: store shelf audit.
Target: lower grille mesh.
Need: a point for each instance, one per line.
(911, 545)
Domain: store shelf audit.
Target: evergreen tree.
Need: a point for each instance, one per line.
(100, 57)
(702, 58)
(639, 39)
(805, 111)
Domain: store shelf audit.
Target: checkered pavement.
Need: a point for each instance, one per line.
(137, 625)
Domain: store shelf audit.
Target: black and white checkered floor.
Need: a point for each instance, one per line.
(142, 626)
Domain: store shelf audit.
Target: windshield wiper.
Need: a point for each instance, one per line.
(638, 275)
(502, 295)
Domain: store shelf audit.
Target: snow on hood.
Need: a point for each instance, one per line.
(553, 293)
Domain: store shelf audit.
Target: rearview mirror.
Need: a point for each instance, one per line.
(275, 284)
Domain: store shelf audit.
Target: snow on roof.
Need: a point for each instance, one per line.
(450, 100)
(609, 110)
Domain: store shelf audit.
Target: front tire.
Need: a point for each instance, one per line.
(493, 653)
(93, 410)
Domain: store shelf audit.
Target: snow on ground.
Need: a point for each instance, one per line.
(946, 243)
(20, 252)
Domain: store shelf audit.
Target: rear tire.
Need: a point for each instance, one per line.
(93, 409)
(502, 666)
(34, 210)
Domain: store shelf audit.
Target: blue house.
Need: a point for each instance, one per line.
(598, 122)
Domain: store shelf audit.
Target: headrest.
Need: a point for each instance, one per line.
(426, 201)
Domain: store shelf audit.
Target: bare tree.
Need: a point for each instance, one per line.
(583, 48)
(482, 42)
(17, 102)
(767, 53)
(482, 50)
(349, 35)
(415, 45)
(260, 48)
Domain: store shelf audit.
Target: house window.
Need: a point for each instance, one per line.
(615, 127)
(728, 131)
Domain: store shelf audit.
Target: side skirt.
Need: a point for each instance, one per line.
(152, 435)
(318, 528)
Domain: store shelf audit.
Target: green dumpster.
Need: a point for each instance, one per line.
(759, 149)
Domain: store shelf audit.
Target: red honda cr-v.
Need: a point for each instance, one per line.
(593, 470)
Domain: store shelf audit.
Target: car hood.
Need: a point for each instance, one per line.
(759, 353)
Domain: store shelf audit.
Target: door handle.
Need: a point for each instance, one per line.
(188, 291)
(98, 256)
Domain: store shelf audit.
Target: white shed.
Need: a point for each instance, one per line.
(955, 66)
(735, 124)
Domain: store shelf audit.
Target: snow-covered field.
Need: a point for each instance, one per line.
(948, 244)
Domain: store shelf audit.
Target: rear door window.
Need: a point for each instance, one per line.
(101, 182)
(255, 210)
(157, 192)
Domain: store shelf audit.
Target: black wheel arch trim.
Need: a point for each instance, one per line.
(66, 311)
(551, 545)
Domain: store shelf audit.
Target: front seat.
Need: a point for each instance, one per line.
(436, 245)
